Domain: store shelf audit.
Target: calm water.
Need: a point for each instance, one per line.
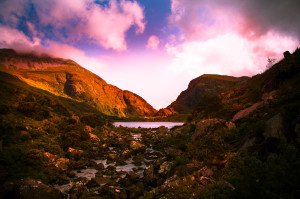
(148, 124)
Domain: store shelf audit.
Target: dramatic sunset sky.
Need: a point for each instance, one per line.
(154, 47)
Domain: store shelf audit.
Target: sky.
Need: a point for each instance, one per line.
(154, 48)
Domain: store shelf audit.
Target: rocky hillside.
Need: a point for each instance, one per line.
(199, 89)
(67, 79)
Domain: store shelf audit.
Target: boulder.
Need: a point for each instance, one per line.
(274, 127)
(88, 128)
(34, 189)
(137, 146)
(75, 153)
(206, 172)
(245, 112)
(62, 164)
(94, 137)
(101, 180)
(51, 157)
(208, 126)
(165, 168)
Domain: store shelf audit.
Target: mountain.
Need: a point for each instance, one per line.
(67, 79)
(198, 89)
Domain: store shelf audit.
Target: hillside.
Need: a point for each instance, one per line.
(67, 79)
(243, 143)
(199, 89)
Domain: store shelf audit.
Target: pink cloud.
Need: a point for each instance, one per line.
(153, 42)
(228, 38)
(229, 54)
(83, 19)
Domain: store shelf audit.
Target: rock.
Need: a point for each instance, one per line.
(115, 192)
(88, 128)
(112, 156)
(269, 96)
(163, 129)
(136, 190)
(248, 142)
(51, 157)
(224, 183)
(172, 152)
(75, 153)
(274, 127)
(34, 189)
(92, 183)
(79, 191)
(94, 137)
(137, 146)
(206, 172)
(100, 180)
(99, 167)
(205, 180)
(149, 176)
(165, 168)
(245, 112)
(62, 164)
(208, 126)
(194, 164)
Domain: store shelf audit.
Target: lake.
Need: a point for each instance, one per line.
(148, 124)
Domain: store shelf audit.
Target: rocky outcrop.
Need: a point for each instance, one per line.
(208, 126)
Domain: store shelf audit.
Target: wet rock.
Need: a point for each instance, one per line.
(112, 156)
(245, 112)
(101, 180)
(208, 126)
(165, 168)
(34, 189)
(79, 191)
(99, 167)
(274, 127)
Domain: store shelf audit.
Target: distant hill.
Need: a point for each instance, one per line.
(198, 89)
(67, 79)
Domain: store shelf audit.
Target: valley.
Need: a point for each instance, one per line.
(240, 137)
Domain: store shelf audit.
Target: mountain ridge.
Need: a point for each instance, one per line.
(68, 79)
